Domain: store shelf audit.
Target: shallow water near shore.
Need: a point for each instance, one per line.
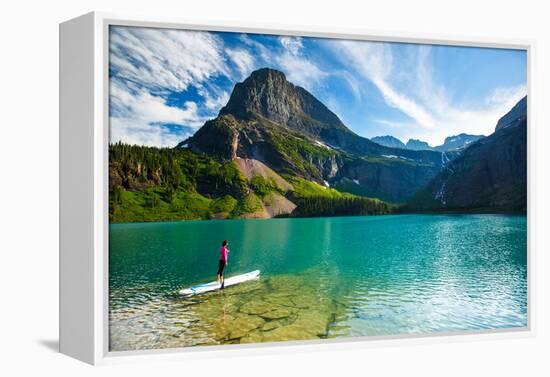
(320, 278)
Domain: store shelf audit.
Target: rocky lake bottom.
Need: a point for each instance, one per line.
(266, 310)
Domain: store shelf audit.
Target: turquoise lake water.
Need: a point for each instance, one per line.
(320, 278)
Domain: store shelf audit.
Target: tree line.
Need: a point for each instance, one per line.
(343, 206)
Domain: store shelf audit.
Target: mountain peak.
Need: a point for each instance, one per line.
(514, 116)
(417, 145)
(266, 73)
(452, 143)
(266, 93)
(389, 141)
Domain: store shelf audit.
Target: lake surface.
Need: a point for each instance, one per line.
(320, 278)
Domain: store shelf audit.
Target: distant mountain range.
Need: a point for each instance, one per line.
(276, 150)
(389, 141)
(452, 143)
(489, 175)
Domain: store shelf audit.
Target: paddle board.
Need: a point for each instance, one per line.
(212, 286)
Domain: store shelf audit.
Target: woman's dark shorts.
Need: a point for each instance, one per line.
(221, 267)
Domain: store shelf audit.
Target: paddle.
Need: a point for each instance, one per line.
(223, 276)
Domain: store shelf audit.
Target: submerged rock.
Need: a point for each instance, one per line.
(243, 324)
(252, 337)
(278, 313)
(303, 302)
(221, 329)
(286, 284)
(257, 307)
(271, 325)
(291, 332)
(313, 322)
(280, 299)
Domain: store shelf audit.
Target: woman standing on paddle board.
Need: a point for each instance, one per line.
(224, 252)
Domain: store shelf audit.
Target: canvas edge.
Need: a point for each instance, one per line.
(76, 191)
(101, 352)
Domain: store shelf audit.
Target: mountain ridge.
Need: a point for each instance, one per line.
(268, 93)
(389, 141)
(275, 150)
(491, 174)
(515, 115)
(285, 127)
(451, 143)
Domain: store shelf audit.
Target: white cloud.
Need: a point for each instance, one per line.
(332, 103)
(453, 118)
(506, 97)
(405, 104)
(215, 101)
(292, 44)
(130, 132)
(483, 118)
(373, 60)
(140, 118)
(242, 59)
(432, 94)
(480, 120)
(258, 49)
(299, 70)
(428, 104)
(164, 59)
(147, 65)
(352, 82)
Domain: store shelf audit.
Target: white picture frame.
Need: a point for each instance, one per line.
(84, 131)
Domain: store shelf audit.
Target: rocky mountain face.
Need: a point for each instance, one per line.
(385, 177)
(267, 99)
(269, 119)
(491, 174)
(389, 141)
(275, 150)
(514, 116)
(267, 94)
(452, 143)
(417, 145)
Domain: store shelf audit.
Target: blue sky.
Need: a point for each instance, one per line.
(164, 84)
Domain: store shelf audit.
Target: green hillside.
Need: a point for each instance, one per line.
(163, 184)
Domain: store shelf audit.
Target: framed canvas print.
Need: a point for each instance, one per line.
(224, 187)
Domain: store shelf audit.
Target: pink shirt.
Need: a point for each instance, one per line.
(223, 253)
